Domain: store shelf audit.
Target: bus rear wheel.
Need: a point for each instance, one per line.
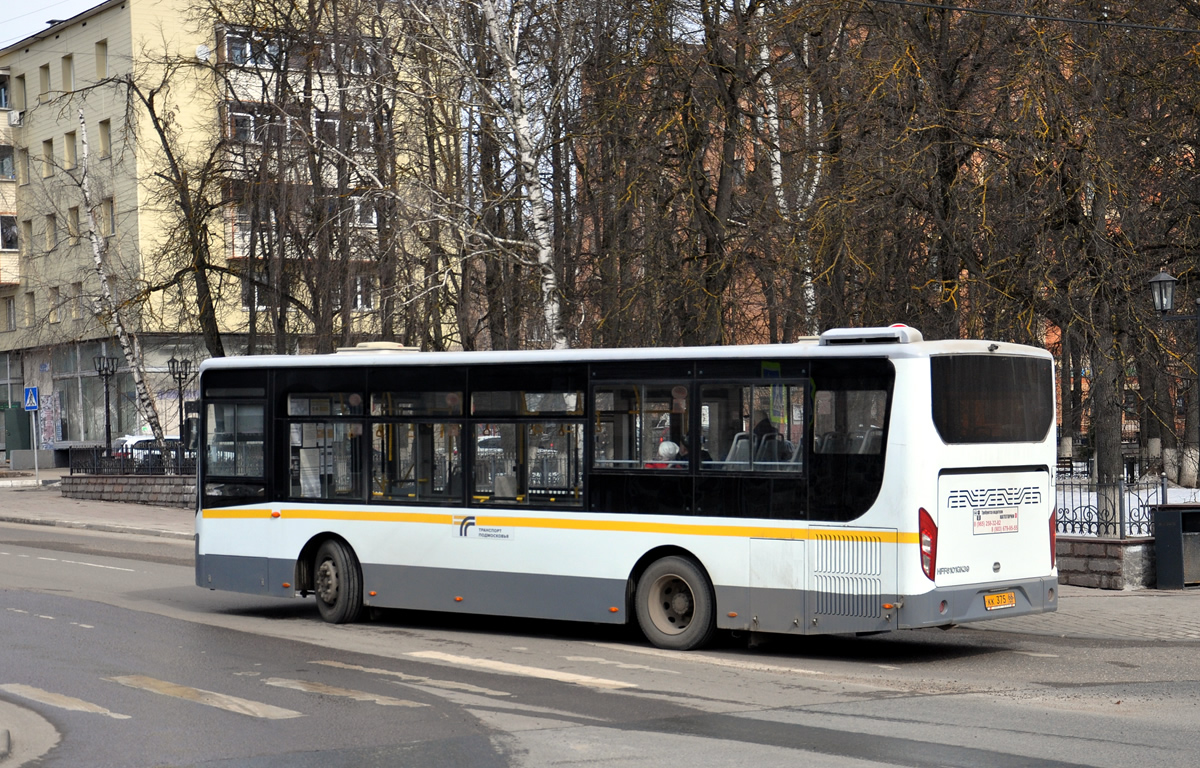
(674, 604)
(338, 583)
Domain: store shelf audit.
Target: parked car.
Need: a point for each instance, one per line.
(143, 448)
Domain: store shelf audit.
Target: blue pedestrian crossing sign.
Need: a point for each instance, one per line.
(31, 398)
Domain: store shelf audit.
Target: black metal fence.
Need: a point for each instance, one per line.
(93, 461)
(1114, 510)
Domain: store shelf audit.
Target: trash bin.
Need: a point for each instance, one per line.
(1177, 545)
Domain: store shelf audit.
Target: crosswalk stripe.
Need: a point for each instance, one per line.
(329, 690)
(209, 698)
(416, 679)
(58, 700)
(505, 667)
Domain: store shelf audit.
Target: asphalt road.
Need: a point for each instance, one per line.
(109, 646)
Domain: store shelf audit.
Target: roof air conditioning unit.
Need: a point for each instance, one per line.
(14, 118)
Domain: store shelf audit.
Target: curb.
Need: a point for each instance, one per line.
(106, 527)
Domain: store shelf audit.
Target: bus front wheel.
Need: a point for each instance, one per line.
(674, 604)
(338, 583)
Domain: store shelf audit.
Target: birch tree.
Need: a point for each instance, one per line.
(109, 308)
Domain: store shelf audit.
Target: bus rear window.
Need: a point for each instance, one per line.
(992, 398)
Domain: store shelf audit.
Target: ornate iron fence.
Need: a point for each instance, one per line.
(92, 461)
(1115, 510)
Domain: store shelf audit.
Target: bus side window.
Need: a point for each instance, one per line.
(753, 427)
(640, 426)
(416, 462)
(528, 463)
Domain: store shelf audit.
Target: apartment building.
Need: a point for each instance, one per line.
(60, 105)
(308, 250)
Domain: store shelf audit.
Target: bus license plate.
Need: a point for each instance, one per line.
(1000, 600)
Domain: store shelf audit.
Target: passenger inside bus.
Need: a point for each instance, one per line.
(668, 457)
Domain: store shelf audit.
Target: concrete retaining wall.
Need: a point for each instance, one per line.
(1106, 563)
(159, 490)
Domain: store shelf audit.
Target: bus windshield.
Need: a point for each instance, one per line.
(992, 398)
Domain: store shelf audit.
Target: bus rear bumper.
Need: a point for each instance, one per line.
(946, 606)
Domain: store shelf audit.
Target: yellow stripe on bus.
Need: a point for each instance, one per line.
(619, 526)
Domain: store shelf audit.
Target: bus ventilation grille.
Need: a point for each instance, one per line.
(849, 575)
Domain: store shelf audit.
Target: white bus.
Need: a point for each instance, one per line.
(860, 482)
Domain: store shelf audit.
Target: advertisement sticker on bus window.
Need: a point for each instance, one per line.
(999, 520)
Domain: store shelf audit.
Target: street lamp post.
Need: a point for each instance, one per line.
(106, 367)
(1162, 287)
(181, 371)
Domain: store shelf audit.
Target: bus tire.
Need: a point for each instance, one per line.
(338, 583)
(674, 604)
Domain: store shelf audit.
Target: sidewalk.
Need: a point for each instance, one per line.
(1143, 614)
(23, 501)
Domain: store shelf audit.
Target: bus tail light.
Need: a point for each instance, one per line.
(928, 535)
(1053, 538)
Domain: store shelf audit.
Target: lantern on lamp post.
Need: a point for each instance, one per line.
(106, 367)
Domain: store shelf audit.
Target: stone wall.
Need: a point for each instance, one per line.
(159, 490)
(1106, 563)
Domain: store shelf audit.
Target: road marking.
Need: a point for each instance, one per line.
(208, 698)
(619, 664)
(519, 669)
(41, 616)
(97, 565)
(1037, 655)
(58, 700)
(752, 666)
(329, 690)
(90, 565)
(16, 610)
(85, 626)
(416, 680)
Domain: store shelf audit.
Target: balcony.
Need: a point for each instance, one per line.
(9, 268)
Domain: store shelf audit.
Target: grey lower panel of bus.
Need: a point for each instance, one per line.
(251, 575)
(535, 596)
(575, 598)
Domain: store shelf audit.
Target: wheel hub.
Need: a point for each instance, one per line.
(681, 603)
(327, 582)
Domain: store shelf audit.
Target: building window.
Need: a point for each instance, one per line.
(76, 301)
(101, 59)
(47, 158)
(51, 231)
(54, 298)
(43, 82)
(4, 101)
(108, 217)
(73, 224)
(363, 295)
(364, 212)
(68, 73)
(241, 126)
(8, 313)
(237, 48)
(19, 92)
(70, 150)
(105, 138)
(26, 239)
(255, 293)
(8, 234)
(8, 162)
